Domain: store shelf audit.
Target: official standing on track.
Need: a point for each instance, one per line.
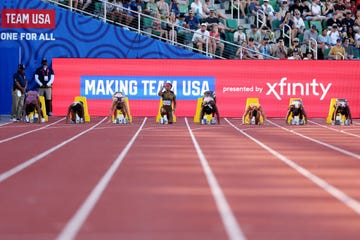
(18, 94)
(44, 77)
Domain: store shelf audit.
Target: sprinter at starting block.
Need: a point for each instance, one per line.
(209, 107)
(342, 114)
(32, 103)
(297, 112)
(168, 103)
(75, 113)
(255, 112)
(119, 103)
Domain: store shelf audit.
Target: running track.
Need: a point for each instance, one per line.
(179, 182)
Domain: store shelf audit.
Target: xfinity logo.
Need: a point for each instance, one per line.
(295, 89)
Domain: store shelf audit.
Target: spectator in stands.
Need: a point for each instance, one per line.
(266, 32)
(316, 11)
(254, 8)
(265, 49)
(242, 5)
(351, 5)
(357, 18)
(298, 5)
(334, 19)
(269, 12)
(242, 52)
(200, 39)
(320, 53)
(172, 27)
(284, 8)
(296, 45)
(252, 51)
(295, 55)
(328, 9)
(215, 41)
(151, 8)
(340, 7)
(350, 34)
(128, 14)
(349, 52)
(164, 9)
(309, 55)
(208, 5)
(181, 23)
(212, 20)
(357, 37)
(174, 7)
(280, 50)
(115, 11)
(347, 20)
(287, 24)
(239, 36)
(198, 9)
(136, 6)
(337, 52)
(333, 34)
(255, 34)
(299, 25)
(324, 38)
(311, 33)
(192, 22)
(158, 27)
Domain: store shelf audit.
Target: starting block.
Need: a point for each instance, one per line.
(43, 109)
(208, 117)
(86, 110)
(296, 119)
(339, 117)
(158, 117)
(119, 113)
(252, 101)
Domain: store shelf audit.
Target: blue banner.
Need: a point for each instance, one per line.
(145, 87)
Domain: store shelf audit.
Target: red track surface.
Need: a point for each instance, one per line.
(180, 181)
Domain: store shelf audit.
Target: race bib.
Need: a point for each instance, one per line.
(167, 102)
(208, 99)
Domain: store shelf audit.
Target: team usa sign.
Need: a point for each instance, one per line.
(28, 18)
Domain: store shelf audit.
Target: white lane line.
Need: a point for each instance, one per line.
(4, 124)
(231, 225)
(333, 129)
(74, 225)
(33, 160)
(351, 154)
(28, 132)
(335, 192)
